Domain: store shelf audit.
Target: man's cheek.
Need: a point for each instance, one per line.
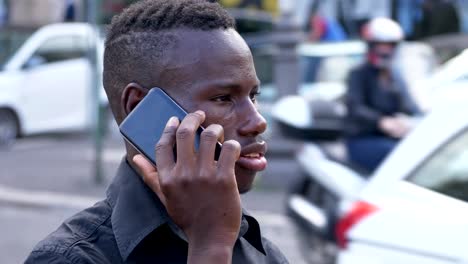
(219, 115)
(228, 123)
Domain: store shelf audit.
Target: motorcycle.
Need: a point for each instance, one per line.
(329, 182)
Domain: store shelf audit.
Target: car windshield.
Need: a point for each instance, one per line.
(446, 171)
(6, 53)
(10, 42)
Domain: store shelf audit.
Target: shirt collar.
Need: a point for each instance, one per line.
(137, 211)
(253, 234)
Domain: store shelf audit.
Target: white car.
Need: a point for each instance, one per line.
(46, 85)
(414, 209)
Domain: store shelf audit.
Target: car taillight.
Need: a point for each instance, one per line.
(359, 210)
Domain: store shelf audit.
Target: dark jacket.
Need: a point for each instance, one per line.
(367, 101)
(132, 226)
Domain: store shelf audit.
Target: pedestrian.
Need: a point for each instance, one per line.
(187, 210)
(380, 107)
(69, 14)
(326, 29)
(439, 17)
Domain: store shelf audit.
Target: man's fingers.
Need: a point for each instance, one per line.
(208, 140)
(186, 135)
(144, 166)
(227, 159)
(165, 145)
(150, 175)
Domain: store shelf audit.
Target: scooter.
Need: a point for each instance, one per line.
(329, 182)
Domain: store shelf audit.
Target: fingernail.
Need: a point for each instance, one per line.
(200, 112)
(172, 121)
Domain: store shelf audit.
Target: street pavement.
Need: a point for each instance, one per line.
(45, 179)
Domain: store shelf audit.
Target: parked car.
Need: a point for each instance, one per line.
(45, 86)
(415, 207)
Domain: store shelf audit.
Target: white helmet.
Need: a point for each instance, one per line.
(382, 29)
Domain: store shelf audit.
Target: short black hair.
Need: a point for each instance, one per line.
(138, 38)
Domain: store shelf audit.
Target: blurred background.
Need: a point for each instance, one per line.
(59, 145)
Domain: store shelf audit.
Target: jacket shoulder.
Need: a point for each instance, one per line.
(77, 238)
(274, 254)
(359, 69)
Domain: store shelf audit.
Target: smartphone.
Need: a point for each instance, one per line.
(145, 124)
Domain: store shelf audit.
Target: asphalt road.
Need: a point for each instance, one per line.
(38, 168)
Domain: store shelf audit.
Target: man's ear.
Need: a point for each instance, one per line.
(132, 94)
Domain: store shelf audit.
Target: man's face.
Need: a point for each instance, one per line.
(382, 54)
(213, 71)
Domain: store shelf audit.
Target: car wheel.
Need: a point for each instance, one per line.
(8, 128)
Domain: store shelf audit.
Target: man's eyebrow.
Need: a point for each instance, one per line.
(230, 85)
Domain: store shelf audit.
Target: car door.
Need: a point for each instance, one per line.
(55, 85)
(425, 214)
(443, 179)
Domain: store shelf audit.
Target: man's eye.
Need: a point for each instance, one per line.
(253, 96)
(222, 98)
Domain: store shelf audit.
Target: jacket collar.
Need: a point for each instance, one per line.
(137, 212)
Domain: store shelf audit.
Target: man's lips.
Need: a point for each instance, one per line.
(252, 156)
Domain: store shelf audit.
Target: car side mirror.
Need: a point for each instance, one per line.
(34, 61)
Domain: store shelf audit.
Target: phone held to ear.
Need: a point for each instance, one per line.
(144, 126)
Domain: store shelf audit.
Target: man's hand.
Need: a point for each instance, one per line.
(199, 193)
(396, 127)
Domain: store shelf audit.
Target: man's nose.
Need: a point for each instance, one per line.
(252, 123)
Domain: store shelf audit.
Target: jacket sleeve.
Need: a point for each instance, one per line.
(408, 104)
(358, 111)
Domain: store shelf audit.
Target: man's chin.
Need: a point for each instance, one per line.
(245, 180)
(244, 189)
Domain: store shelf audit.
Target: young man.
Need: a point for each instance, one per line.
(189, 210)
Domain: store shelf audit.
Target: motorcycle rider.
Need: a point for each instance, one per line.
(379, 104)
